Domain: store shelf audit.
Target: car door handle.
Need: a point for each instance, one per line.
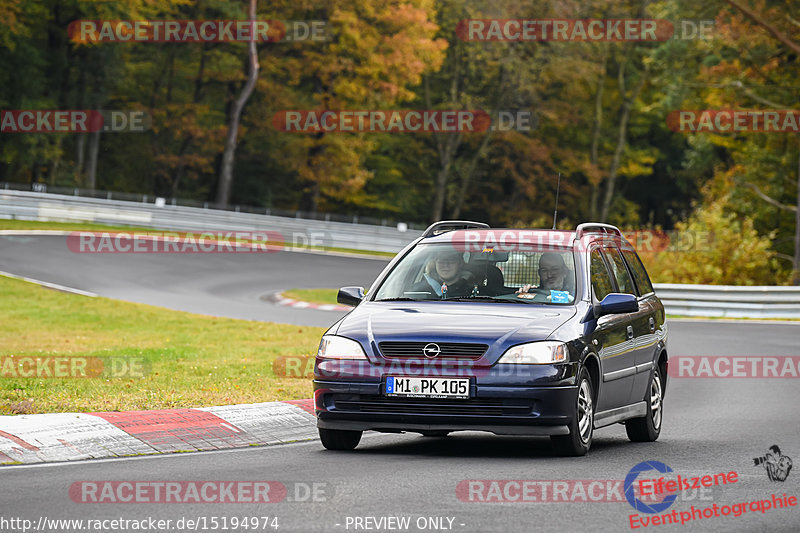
(652, 324)
(630, 332)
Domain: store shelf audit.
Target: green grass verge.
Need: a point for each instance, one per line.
(315, 296)
(8, 224)
(190, 360)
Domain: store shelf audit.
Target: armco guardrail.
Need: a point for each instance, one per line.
(28, 205)
(730, 301)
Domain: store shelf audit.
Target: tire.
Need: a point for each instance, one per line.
(648, 427)
(339, 439)
(581, 428)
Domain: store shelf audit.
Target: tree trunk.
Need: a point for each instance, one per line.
(598, 122)
(94, 150)
(467, 178)
(226, 168)
(621, 141)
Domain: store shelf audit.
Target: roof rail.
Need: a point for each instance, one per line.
(589, 226)
(444, 226)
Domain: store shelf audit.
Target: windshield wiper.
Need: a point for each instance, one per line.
(486, 299)
(399, 299)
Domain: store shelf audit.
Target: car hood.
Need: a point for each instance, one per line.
(498, 325)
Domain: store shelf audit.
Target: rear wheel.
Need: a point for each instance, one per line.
(339, 439)
(648, 428)
(581, 428)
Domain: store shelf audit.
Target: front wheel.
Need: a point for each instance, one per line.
(581, 428)
(339, 439)
(648, 428)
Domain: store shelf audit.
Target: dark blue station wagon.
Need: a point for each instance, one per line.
(510, 331)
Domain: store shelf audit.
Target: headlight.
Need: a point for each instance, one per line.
(535, 353)
(333, 347)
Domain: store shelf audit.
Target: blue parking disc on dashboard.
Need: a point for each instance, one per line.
(559, 297)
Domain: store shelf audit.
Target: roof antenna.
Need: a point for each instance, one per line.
(558, 187)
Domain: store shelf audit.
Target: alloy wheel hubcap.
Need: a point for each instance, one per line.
(655, 400)
(585, 411)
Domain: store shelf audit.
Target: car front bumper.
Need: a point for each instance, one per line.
(503, 410)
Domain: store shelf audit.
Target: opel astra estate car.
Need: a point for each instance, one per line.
(510, 331)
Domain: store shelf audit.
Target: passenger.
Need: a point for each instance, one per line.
(446, 277)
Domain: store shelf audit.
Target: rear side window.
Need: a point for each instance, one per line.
(639, 273)
(601, 281)
(624, 280)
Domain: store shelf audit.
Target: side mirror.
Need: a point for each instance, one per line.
(617, 303)
(350, 295)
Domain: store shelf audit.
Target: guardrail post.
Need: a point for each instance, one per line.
(205, 205)
(75, 192)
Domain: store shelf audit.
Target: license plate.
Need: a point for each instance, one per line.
(413, 387)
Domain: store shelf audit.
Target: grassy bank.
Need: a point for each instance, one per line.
(189, 360)
(316, 296)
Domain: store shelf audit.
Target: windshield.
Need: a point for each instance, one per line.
(444, 272)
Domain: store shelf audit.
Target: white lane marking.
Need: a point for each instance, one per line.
(49, 285)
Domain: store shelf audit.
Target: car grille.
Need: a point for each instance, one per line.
(472, 406)
(449, 350)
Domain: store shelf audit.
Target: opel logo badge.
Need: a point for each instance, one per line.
(431, 350)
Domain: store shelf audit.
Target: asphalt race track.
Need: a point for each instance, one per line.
(710, 426)
(220, 284)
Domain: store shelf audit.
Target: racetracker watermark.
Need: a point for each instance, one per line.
(644, 240)
(307, 367)
(734, 121)
(163, 242)
(555, 491)
(734, 367)
(73, 121)
(47, 366)
(196, 31)
(402, 121)
(181, 492)
(582, 30)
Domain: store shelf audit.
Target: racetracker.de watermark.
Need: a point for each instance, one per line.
(734, 367)
(197, 31)
(557, 491)
(73, 121)
(402, 121)
(206, 491)
(734, 121)
(51, 366)
(644, 240)
(164, 242)
(582, 30)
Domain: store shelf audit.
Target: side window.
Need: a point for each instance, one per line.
(601, 281)
(624, 280)
(639, 273)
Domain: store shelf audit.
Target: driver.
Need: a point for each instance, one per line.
(552, 274)
(446, 276)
